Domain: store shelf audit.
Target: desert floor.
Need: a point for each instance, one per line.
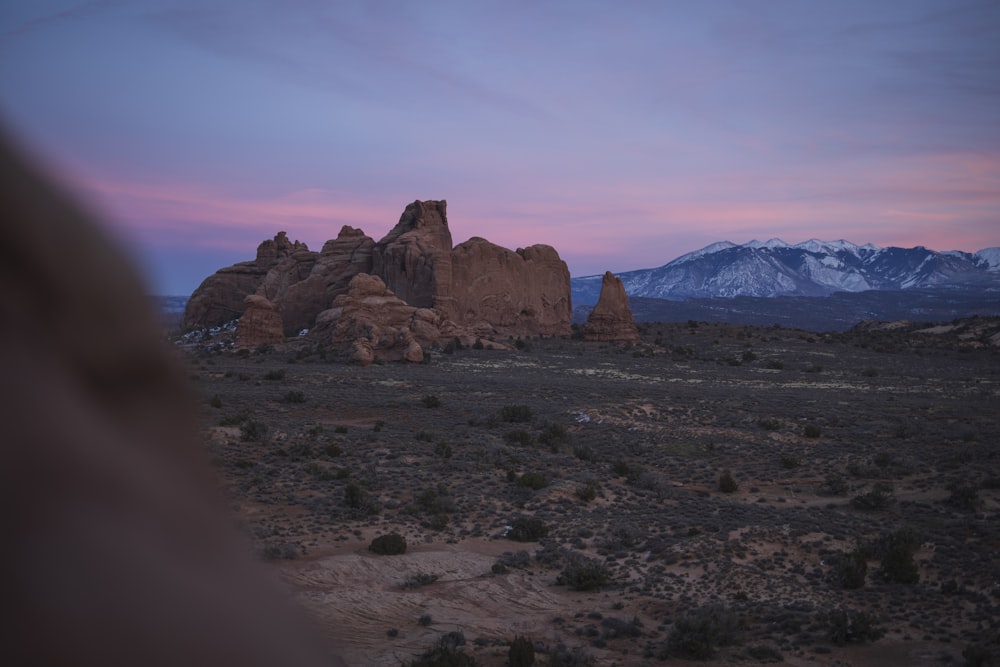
(619, 451)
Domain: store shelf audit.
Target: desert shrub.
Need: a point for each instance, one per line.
(869, 372)
(763, 653)
(896, 551)
(478, 345)
(553, 434)
(423, 436)
(883, 459)
(835, 485)
(789, 461)
(852, 568)
(878, 498)
(275, 374)
(698, 634)
(340, 429)
(775, 364)
(431, 401)
(332, 450)
(621, 468)
(853, 627)
(964, 495)
(443, 450)
(521, 652)
(615, 628)
(509, 559)
(812, 431)
(516, 414)
(769, 424)
(235, 419)
(425, 620)
(533, 480)
(726, 483)
(446, 653)
(519, 437)
(253, 431)
(584, 574)
(294, 396)
(388, 545)
(354, 496)
(527, 529)
(215, 401)
(587, 491)
(420, 579)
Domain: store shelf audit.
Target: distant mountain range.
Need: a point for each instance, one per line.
(813, 268)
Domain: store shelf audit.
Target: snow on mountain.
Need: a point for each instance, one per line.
(812, 268)
(991, 256)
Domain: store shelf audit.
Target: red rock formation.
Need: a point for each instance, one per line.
(611, 319)
(219, 298)
(373, 323)
(499, 292)
(259, 323)
(306, 283)
(490, 291)
(414, 259)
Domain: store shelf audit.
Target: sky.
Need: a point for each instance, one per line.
(623, 133)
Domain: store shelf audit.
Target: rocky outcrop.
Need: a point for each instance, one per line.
(499, 292)
(219, 298)
(306, 283)
(479, 288)
(414, 259)
(373, 323)
(259, 323)
(611, 319)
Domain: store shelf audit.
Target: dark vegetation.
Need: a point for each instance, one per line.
(678, 505)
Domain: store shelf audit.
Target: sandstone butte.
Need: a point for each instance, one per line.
(417, 290)
(611, 319)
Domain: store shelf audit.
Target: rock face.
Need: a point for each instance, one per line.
(414, 259)
(306, 283)
(499, 292)
(259, 323)
(477, 289)
(373, 323)
(611, 320)
(219, 298)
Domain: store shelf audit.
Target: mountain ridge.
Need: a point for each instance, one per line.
(812, 268)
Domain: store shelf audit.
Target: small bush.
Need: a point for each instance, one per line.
(727, 484)
(587, 491)
(294, 396)
(275, 374)
(420, 579)
(533, 480)
(964, 495)
(897, 549)
(253, 431)
(852, 568)
(516, 414)
(235, 419)
(553, 435)
(215, 401)
(354, 496)
(812, 431)
(699, 634)
(789, 462)
(769, 424)
(584, 574)
(388, 545)
(835, 485)
(527, 529)
(853, 627)
(522, 650)
(878, 498)
(519, 437)
(431, 401)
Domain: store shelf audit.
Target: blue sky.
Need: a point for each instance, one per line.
(622, 133)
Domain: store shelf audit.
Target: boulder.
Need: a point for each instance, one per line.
(259, 324)
(611, 319)
(219, 298)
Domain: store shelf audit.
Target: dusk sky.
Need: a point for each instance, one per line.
(622, 133)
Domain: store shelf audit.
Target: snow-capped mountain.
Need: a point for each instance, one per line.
(812, 268)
